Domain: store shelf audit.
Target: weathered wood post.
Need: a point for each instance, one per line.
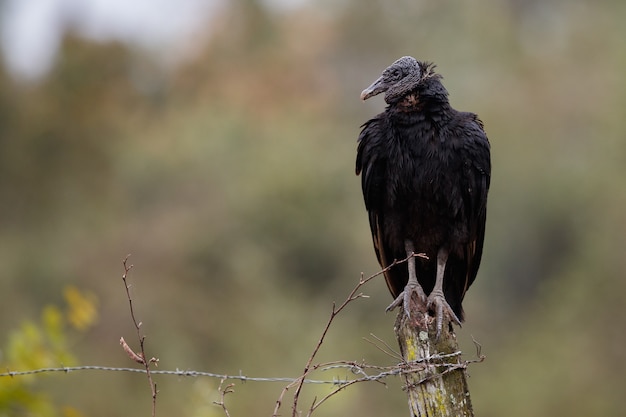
(435, 378)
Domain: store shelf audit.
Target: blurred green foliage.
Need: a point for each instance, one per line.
(230, 180)
(43, 344)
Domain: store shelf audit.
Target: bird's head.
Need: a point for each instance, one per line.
(398, 79)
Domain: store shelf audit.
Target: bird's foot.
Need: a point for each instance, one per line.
(405, 297)
(437, 302)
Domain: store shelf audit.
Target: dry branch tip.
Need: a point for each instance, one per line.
(131, 354)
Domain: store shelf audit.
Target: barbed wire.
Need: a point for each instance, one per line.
(177, 372)
(353, 367)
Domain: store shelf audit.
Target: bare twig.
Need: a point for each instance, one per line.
(479, 349)
(378, 378)
(138, 357)
(354, 294)
(384, 347)
(223, 391)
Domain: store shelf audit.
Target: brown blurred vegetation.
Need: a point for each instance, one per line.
(231, 181)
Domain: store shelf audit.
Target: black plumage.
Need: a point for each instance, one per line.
(425, 169)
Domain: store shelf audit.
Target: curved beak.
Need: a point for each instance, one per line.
(376, 88)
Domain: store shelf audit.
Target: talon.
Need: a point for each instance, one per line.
(405, 297)
(437, 301)
(395, 303)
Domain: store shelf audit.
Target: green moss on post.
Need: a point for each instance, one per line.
(435, 380)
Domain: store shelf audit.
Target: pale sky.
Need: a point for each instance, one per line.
(30, 30)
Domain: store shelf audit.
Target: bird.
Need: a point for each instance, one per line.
(425, 174)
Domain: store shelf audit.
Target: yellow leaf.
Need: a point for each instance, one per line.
(68, 411)
(82, 311)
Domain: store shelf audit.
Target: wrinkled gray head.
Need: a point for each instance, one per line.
(397, 80)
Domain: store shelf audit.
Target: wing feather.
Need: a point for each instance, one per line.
(476, 186)
(371, 163)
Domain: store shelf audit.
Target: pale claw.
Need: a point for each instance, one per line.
(405, 297)
(440, 306)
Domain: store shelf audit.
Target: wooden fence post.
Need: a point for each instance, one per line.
(435, 378)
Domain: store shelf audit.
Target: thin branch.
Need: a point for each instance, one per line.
(479, 349)
(384, 347)
(223, 391)
(378, 378)
(354, 294)
(138, 357)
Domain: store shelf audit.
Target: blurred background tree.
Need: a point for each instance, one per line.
(224, 163)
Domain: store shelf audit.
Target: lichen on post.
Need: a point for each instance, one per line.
(435, 376)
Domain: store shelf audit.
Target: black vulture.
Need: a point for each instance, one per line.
(425, 172)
